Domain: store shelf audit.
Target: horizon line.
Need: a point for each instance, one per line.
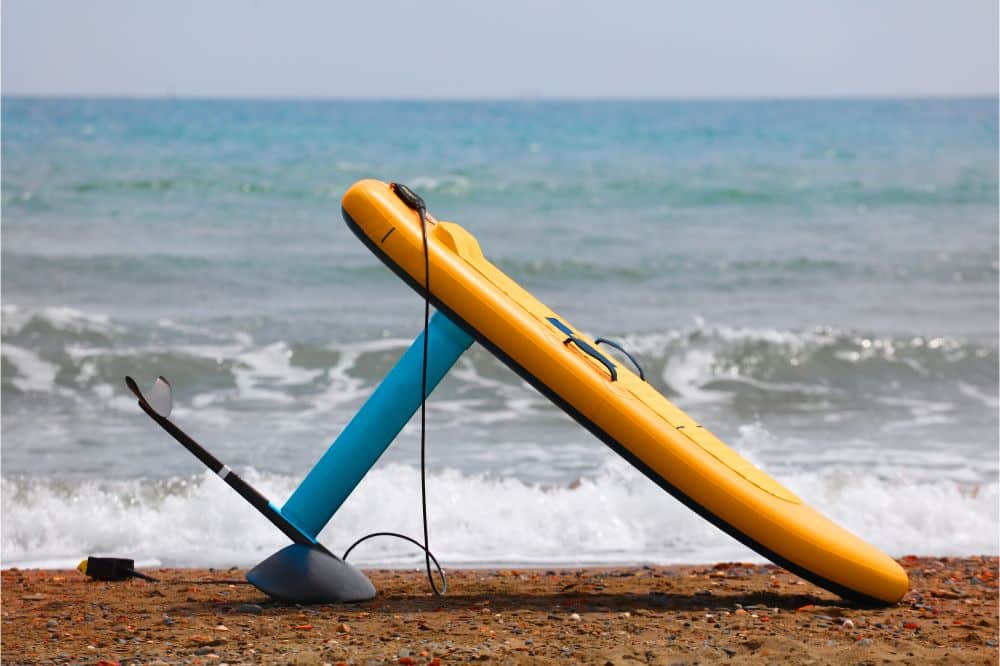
(501, 98)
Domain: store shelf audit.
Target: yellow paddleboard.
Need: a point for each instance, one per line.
(615, 404)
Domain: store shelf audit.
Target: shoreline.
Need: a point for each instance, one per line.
(726, 612)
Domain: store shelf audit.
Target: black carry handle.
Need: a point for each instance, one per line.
(589, 350)
(586, 347)
(612, 343)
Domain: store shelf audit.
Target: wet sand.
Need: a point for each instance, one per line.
(727, 613)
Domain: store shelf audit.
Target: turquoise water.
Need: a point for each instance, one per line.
(814, 280)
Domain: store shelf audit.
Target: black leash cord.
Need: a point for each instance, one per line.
(423, 413)
(430, 556)
(415, 202)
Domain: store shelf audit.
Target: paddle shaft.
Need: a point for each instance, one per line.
(235, 481)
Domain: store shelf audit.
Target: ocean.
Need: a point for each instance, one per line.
(815, 281)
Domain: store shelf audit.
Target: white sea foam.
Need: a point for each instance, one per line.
(615, 516)
(688, 372)
(61, 318)
(33, 372)
(971, 391)
(259, 373)
(192, 330)
(342, 387)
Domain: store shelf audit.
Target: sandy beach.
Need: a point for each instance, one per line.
(728, 613)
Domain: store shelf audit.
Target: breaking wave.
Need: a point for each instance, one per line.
(614, 517)
(61, 348)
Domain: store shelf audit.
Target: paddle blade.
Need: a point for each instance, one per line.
(160, 397)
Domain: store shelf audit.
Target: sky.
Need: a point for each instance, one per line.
(504, 49)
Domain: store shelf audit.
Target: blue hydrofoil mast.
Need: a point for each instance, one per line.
(371, 431)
